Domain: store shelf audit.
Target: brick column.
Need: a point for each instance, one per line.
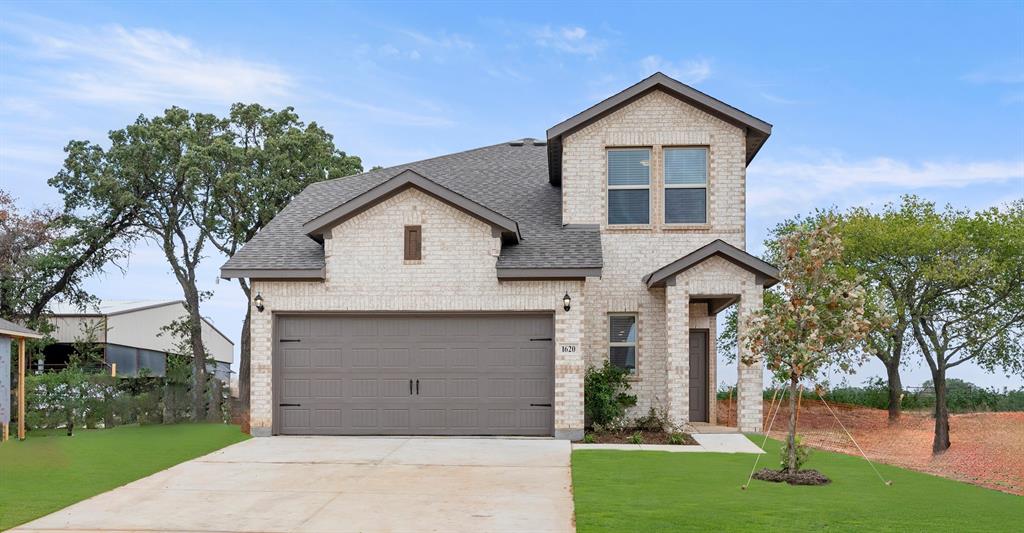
(750, 387)
(569, 370)
(677, 353)
(261, 409)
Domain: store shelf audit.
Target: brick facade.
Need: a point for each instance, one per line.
(665, 315)
(366, 270)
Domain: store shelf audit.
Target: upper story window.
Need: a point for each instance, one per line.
(629, 186)
(686, 185)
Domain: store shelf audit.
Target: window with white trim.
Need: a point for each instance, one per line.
(629, 186)
(622, 341)
(686, 185)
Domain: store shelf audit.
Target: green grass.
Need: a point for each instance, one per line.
(49, 471)
(661, 491)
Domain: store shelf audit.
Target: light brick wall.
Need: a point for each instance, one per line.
(717, 276)
(366, 271)
(656, 120)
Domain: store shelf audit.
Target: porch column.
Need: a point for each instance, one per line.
(569, 369)
(677, 354)
(749, 385)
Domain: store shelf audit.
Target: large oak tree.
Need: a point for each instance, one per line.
(273, 157)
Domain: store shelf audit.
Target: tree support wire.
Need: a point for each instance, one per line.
(854, 441)
(772, 410)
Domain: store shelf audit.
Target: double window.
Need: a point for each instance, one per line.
(686, 185)
(622, 341)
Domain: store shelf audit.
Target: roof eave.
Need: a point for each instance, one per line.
(312, 274)
(409, 178)
(755, 128)
(766, 273)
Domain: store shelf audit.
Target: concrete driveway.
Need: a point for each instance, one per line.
(344, 484)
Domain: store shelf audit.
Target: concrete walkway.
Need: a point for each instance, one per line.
(344, 484)
(706, 442)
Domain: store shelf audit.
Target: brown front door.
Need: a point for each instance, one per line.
(698, 375)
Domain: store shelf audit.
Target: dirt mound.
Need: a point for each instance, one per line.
(800, 477)
(985, 446)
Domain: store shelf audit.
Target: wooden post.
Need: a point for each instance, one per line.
(113, 370)
(21, 388)
(5, 434)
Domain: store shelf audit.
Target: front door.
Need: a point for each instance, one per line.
(698, 375)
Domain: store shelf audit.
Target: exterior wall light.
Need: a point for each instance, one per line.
(566, 300)
(258, 300)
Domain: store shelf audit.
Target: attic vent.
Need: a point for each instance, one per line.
(516, 143)
(539, 143)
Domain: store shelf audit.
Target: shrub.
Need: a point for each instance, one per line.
(605, 395)
(803, 452)
(636, 438)
(589, 438)
(654, 420)
(676, 439)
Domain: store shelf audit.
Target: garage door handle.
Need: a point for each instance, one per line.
(289, 405)
(410, 387)
(541, 339)
(540, 405)
(290, 340)
(417, 387)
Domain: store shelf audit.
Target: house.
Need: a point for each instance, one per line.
(130, 334)
(467, 294)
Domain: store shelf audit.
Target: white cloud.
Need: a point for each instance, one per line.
(114, 64)
(785, 187)
(386, 115)
(688, 71)
(569, 39)
(444, 40)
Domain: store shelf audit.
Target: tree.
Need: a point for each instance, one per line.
(273, 157)
(165, 169)
(817, 322)
(964, 279)
(48, 253)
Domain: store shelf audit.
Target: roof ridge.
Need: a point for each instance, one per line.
(404, 166)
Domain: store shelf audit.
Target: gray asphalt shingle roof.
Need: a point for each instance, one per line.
(511, 180)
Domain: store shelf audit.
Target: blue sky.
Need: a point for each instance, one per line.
(868, 101)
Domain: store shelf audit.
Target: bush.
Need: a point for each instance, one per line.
(676, 439)
(654, 420)
(636, 438)
(803, 452)
(589, 438)
(605, 397)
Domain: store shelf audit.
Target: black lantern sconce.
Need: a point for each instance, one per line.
(258, 300)
(566, 300)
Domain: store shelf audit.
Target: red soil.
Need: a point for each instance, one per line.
(986, 447)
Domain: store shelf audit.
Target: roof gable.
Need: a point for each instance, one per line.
(757, 130)
(410, 179)
(765, 271)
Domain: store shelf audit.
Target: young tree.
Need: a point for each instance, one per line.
(273, 157)
(166, 169)
(818, 321)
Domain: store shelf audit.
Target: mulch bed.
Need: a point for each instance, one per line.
(650, 437)
(800, 477)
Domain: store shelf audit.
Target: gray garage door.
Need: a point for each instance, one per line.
(414, 375)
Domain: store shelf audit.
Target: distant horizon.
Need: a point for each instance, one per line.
(868, 102)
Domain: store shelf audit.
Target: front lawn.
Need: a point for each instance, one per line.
(661, 491)
(49, 471)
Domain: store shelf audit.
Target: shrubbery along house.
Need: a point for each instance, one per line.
(466, 294)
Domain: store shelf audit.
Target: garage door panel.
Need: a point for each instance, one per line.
(327, 358)
(478, 375)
